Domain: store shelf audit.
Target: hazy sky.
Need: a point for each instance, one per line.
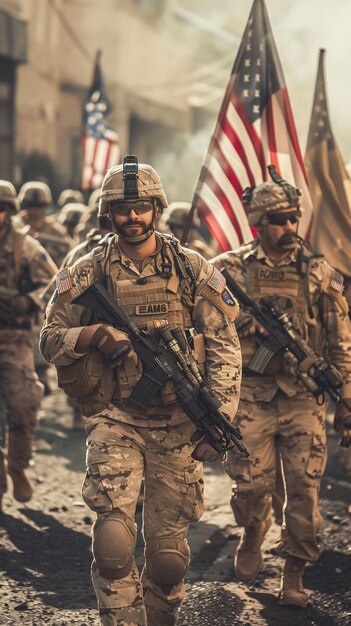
(300, 28)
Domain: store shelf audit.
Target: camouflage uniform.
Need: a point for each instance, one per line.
(125, 444)
(52, 236)
(89, 220)
(25, 267)
(275, 410)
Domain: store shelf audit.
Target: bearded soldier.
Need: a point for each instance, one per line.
(153, 279)
(277, 415)
(25, 269)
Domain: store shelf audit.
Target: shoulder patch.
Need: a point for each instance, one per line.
(337, 282)
(217, 281)
(64, 281)
(228, 298)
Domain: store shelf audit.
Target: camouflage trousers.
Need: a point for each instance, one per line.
(295, 429)
(21, 393)
(119, 456)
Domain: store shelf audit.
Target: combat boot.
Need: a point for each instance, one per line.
(22, 489)
(248, 557)
(291, 591)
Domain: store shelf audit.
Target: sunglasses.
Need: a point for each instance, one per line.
(138, 206)
(280, 219)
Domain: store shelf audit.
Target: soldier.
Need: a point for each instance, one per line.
(35, 199)
(69, 217)
(276, 413)
(153, 278)
(176, 221)
(88, 220)
(25, 268)
(69, 195)
(93, 238)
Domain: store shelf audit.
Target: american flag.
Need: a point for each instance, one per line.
(255, 127)
(100, 142)
(329, 183)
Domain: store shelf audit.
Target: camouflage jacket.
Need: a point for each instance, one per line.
(205, 308)
(25, 268)
(328, 332)
(52, 236)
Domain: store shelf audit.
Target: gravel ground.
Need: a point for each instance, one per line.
(45, 548)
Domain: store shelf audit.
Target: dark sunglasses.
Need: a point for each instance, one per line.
(280, 219)
(138, 206)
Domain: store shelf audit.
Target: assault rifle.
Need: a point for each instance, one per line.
(312, 370)
(167, 356)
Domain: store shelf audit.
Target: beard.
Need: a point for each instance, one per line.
(287, 241)
(127, 228)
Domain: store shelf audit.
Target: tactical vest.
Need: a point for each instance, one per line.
(297, 298)
(11, 270)
(146, 299)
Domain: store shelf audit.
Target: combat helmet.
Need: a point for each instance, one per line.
(132, 181)
(178, 215)
(8, 195)
(270, 197)
(35, 194)
(69, 196)
(71, 213)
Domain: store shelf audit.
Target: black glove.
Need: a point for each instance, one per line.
(203, 451)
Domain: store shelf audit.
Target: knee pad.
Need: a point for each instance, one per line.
(167, 560)
(114, 544)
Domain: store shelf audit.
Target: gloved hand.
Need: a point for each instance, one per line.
(22, 304)
(342, 423)
(203, 451)
(113, 343)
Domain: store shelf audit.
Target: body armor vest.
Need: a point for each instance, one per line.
(146, 299)
(290, 285)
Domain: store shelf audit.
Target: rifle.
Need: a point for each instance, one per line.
(167, 357)
(312, 370)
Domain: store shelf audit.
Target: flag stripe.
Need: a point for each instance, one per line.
(100, 143)
(255, 127)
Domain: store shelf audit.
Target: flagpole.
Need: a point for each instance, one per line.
(188, 223)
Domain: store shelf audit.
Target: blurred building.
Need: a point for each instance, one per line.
(13, 52)
(47, 50)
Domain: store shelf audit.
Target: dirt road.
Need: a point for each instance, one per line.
(45, 548)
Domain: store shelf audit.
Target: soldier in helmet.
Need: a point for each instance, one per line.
(69, 195)
(276, 413)
(25, 268)
(35, 199)
(146, 274)
(69, 217)
(176, 221)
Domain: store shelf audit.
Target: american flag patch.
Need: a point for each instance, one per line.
(337, 282)
(64, 281)
(217, 281)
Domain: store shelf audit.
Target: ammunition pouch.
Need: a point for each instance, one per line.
(90, 379)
